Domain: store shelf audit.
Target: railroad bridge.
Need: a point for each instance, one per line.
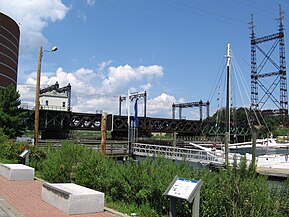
(57, 124)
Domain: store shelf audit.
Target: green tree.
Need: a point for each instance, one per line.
(11, 115)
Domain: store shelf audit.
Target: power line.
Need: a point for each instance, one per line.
(78, 93)
(188, 8)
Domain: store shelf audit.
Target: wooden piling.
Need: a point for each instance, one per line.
(103, 133)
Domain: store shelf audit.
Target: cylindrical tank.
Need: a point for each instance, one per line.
(9, 50)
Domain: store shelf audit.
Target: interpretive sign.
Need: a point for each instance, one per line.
(182, 188)
(186, 189)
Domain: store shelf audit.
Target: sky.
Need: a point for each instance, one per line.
(172, 49)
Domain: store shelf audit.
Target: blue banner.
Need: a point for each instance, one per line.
(135, 114)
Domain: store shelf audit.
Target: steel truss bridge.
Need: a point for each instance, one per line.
(57, 125)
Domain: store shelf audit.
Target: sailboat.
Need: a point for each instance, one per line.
(222, 152)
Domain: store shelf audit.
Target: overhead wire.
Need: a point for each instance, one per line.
(262, 8)
(218, 77)
(238, 79)
(188, 8)
(78, 93)
(241, 78)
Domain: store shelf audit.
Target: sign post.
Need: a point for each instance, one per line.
(186, 189)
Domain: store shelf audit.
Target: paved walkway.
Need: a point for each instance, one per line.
(23, 199)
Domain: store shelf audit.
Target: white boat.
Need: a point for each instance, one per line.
(272, 161)
(260, 143)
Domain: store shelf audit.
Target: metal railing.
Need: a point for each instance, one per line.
(175, 153)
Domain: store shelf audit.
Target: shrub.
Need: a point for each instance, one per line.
(38, 155)
(3, 137)
(10, 151)
(138, 186)
(94, 171)
(60, 163)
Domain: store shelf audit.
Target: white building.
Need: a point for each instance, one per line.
(54, 101)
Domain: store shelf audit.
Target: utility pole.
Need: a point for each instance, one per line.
(36, 119)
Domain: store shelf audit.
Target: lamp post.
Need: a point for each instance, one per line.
(36, 119)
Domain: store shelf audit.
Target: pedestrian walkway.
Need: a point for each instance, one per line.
(23, 199)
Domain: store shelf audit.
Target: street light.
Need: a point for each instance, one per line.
(36, 119)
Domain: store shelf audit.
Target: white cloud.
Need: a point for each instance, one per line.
(97, 103)
(90, 2)
(103, 65)
(82, 16)
(33, 16)
(181, 100)
(27, 93)
(90, 91)
(121, 77)
(146, 87)
(161, 106)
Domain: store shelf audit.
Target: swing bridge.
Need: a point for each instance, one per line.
(59, 124)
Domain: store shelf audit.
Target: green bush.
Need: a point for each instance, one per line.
(138, 186)
(60, 163)
(94, 170)
(38, 155)
(10, 151)
(239, 192)
(3, 137)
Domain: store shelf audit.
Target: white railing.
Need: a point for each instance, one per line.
(191, 155)
(53, 107)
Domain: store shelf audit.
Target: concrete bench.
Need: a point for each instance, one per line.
(16, 172)
(72, 198)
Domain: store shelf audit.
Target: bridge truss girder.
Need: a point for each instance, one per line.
(57, 124)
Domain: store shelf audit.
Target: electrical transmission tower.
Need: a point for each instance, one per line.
(262, 92)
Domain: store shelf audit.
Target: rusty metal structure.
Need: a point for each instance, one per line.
(57, 124)
(262, 92)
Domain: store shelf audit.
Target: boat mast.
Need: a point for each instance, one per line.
(227, 133)
(228, 90)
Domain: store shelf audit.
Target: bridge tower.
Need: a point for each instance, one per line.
(199, 104)
(261, 92)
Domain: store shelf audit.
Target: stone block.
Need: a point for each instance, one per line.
(72, 198)
(16, 172)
